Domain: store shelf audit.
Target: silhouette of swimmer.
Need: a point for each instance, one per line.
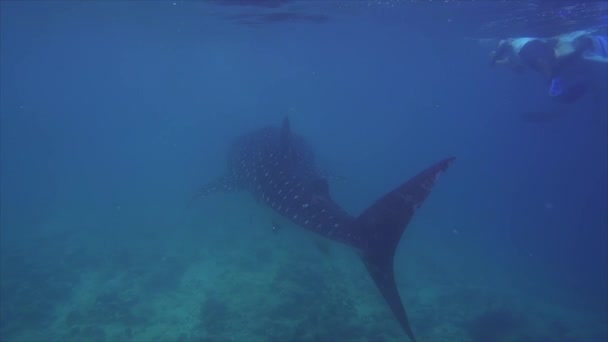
(566, 94)
(554, 58)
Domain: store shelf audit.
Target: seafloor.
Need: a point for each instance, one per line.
(219, 273)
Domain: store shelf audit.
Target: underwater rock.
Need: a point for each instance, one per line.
(497, 326)
(92, 334)
(214, 315)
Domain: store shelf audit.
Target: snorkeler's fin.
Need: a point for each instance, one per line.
(571, 94)
(556, 88)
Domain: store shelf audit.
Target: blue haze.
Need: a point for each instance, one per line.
(113, 114)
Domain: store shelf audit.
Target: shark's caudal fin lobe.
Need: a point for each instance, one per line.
(380, 228)
(384, 277)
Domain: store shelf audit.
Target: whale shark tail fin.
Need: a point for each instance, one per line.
(381, 226)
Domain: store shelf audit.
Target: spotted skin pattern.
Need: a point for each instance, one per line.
(287, 182)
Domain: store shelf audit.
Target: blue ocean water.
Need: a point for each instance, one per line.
(114, 114)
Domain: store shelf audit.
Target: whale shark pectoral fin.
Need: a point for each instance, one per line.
(379, 230)
(219, 185)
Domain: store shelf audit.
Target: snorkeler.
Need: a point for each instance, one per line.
(555, 59)
(519, 53)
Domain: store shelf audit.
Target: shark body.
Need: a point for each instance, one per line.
(277, 167)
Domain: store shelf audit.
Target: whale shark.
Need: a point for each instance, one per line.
(277, 166)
